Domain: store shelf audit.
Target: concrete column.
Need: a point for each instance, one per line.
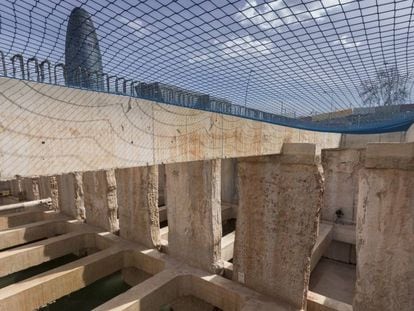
(279, 205)
(137, 194)
(101, 204)
(48, 188)
(229, 192)
(16, 187)
(385, 229)
(71, 200)
(31, 188)
(341, 168)
(161, 185)
(194, 213)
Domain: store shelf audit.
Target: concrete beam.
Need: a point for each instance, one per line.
(137, 196)
(51, 285)
(21, 218)
(227, 246)
(194, 212)
(322, 243)
(101, 206)
(30, 232)
(27, 256)
(280, 199)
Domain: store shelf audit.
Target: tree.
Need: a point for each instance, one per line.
(389, 87)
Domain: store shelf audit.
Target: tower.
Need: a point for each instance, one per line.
(82, 54)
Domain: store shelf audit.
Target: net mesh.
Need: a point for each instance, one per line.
(332, 65)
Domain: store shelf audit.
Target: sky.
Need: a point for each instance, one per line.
(282, 56)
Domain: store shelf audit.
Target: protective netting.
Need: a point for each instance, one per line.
(332, 65)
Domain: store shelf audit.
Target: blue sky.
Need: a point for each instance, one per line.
(296, 56)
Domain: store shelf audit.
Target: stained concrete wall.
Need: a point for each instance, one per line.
(194, 213)
(361, 140)
(385, 229)
(137, 195)
(341, 168)
(280, 200)
(49, 130)
(101, 205)
(71, 200)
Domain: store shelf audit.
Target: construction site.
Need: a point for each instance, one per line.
(118, 194)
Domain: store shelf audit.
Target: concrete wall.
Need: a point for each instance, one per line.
(341, 168)
(361, 140)
(49, 130)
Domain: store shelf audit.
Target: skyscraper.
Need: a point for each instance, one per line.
(82, 54)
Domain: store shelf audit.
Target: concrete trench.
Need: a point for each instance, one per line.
(273, 232)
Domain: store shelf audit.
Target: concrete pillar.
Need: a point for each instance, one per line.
(137, 194)
(161, 185)
(385, 229)
(101, 204)
(71, 200)
(229, 193)
(16, 187)
(194, 213)
(279, 204)
(31, 188)
(48, 188)
(341, 168)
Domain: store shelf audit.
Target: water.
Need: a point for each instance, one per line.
(90, 296)
(29, 272)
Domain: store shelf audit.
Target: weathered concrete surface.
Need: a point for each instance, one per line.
(361, 140)
(71, 197)
(31, 188)
(277, 225)
(101, 205)
(53, 130)
(194, 212)
(341, 168)
(137, 195)
(48, 188)
(385, 230)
